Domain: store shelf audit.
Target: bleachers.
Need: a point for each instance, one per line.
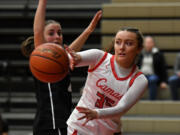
(159, 1)
(136, 10)
(147, 26)
(156, 117)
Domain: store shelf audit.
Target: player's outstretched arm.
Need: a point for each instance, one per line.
(85, 58)
(39, 23)
(78, 43)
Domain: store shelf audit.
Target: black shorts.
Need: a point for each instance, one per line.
(118, 133)
(61, 131)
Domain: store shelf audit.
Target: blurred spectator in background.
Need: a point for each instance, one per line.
(152, 63)
(4, 128)
(174, 81)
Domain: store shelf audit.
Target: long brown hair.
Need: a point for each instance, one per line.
(27, 46)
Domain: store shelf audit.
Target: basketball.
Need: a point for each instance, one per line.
(49, 63)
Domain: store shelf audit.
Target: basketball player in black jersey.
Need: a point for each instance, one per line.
(53, 99)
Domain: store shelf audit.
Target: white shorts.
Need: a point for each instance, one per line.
(72, 131)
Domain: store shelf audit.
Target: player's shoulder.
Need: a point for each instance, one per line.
(100, 53)
(97, 51)
(142, 78)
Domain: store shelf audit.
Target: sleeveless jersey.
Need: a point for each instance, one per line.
(53, 104)
(103, 89)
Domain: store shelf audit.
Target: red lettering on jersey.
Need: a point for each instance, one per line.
(101, 83)
(103, 100)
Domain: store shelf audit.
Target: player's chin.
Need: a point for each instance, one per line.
(123, 60)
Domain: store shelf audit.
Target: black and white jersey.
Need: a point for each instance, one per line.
(53, 104)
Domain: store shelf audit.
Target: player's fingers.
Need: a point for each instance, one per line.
(67, 48)
(96, 18)
(84, 111)
(83, 117)
(94, 21)
(73, 54)
(72, 65)
(88, 119)
(70, 51)
(79, 108)
(97, 15)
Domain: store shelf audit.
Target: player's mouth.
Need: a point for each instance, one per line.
(121, 54)
(56, 42)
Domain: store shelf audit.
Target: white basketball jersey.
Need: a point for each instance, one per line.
(103, 89)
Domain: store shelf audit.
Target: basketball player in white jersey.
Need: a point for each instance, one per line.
(114, 84)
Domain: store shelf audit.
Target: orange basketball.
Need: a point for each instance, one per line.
(49, 63)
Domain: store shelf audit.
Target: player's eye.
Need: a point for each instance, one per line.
(129, 43)
(118, 42)
(51, 33)
(59, 33)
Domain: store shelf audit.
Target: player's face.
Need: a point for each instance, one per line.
(53, 33)
(126, 48)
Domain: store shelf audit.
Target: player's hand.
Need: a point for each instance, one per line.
(89, 114)
(94, 22)
(75, 58)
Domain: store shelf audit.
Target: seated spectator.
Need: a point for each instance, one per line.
(174, 81)
(3, 126)
(152, 63)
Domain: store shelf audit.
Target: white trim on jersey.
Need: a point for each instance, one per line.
(59, 132)
(52, 107)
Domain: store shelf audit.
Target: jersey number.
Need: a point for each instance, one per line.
(103, 100)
